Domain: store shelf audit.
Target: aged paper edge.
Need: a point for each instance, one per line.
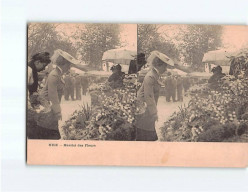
(125, 153)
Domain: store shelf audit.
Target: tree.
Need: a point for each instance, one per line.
(199, 39)
(96, 39)
(44, 37)
(149, 40)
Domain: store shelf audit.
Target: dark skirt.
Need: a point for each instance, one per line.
(144, 135)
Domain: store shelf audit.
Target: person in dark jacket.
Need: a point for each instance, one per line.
(85, 84)
(68, 85)
(78, 86)
(170, 87)
(179, 88)
(216, 77)
(72, 89)
(137, 64)
(186, 83)
(116, 79)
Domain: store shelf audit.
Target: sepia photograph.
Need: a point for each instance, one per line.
(200, 93)
(145, 82)
(80, 82)
(142, 88)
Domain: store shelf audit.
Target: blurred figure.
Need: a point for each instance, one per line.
(179, 88)
(84, 83)
(186, 83)
(68, 84)
(72, 88)
(136, 64)
(78, 86)
(173, 88)
(116, 79)
(170, 87)
(216, 77)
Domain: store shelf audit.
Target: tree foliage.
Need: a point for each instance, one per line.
(96, 39)
(199, 39)
(149, 40)
(44, 37)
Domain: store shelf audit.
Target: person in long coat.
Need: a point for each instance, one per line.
(85, 84)
(52, 93)
(72, 88)
(168, 86)
(78, 86)
(68, 84)
(179, 88)
(149, 94)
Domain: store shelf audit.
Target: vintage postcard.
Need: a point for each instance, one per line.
(137, 95)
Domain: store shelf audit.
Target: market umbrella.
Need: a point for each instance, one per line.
(119, 56)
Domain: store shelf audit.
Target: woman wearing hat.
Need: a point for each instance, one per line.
(149, 93)
(51, 94)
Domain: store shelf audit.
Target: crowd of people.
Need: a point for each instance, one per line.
(75, 84)
(174, 87)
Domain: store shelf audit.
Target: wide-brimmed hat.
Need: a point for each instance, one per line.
(65, 55)
(161, 56)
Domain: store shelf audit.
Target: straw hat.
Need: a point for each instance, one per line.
(161, 56)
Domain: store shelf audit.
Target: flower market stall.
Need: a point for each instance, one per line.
(110, 115)
(219, 115)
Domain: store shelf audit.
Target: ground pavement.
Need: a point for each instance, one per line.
(165, 110)
(68, 107)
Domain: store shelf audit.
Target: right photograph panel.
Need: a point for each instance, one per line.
(192, 83)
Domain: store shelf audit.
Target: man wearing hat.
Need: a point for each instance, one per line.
(149, 94)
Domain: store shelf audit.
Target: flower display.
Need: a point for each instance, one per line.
(211, 115)
(111, 116)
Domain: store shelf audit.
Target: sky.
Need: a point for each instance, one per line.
(128, 35)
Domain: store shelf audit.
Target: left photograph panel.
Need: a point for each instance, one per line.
(80, 81)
